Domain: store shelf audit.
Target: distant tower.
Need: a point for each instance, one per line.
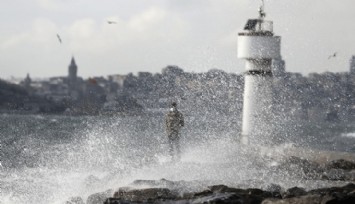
(27, 82)
(72, 74)
(352, 65)
(278, 67)
(258, 46)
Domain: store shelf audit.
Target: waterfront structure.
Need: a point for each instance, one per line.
(258, 45)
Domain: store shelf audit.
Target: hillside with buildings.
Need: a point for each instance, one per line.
(17, 99)
(318, 96)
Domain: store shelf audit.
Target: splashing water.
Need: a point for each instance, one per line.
(48, 159)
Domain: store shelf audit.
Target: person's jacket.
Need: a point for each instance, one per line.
(174, 121)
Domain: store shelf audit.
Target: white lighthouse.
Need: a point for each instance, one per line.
(258, 46)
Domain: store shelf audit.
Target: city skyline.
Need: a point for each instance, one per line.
(118, 37)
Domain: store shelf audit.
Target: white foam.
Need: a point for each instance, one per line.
(349, 134)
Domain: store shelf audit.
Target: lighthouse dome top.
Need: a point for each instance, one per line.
(257, 40)
(259, 26)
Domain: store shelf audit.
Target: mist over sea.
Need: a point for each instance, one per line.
(48, 159)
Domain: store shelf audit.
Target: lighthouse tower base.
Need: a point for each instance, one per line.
(257, 104)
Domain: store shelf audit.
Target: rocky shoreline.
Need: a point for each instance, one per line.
(165, 191)
(225, 194)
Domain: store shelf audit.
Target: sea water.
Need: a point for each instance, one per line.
(48, 159)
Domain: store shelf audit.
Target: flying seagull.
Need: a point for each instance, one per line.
(59, 39)
(111, 22)
(333, 55)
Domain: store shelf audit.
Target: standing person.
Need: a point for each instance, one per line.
(174, 122)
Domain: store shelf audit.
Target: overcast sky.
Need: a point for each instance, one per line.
(196, 35)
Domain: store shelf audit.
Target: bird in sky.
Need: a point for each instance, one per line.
(111, 22)
(59, 38)
(333, 55)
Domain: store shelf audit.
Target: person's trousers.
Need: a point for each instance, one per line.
(174, 147)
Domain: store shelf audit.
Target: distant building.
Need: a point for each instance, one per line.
(144, 75)
(352, 65)
(73, 80)
(72, 74)
(278, 67)
(118, 79)
(27, 82)
(172, 71)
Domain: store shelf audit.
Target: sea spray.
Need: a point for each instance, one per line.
(50, 161)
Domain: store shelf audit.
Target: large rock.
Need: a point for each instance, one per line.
(335, 170)
(226, 189)
(307, 199)
(310, 199)
(335, 174)
(225, 194)
(349, 188)
(305, 168)
(345, 195)
(175, 186)
(275, 190)
(341, 164)
(351, 175)
(115, 201)
(218, 198)
(144, 195)
(294, 192)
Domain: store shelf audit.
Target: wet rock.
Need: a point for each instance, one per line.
(341, 164)
(334, 195)
(242, 192)
(255, 191)
(144, 195)
(349, 188)
(213, 194)
(345, 194)
(307, 168)
(226, 189)
(115, 201)
(294, 192)
(225, 194)
(273, 188)
(351, 176)
(154, 183)
(308, 199)
(202, 193)
(99, 198)
(335, 174)
(219, 198)
(182, 187)
(347, 199)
